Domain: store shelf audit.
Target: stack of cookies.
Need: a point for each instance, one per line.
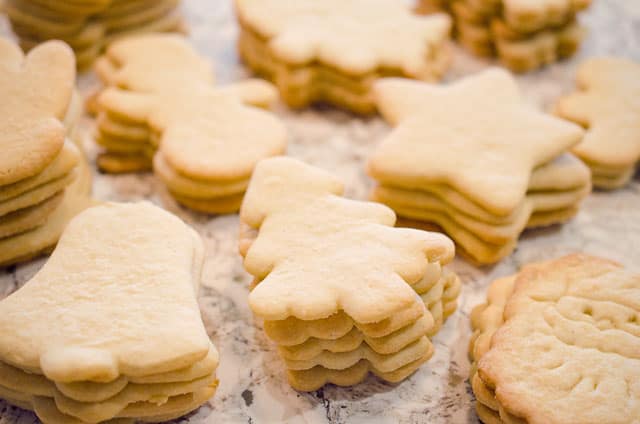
(523, 34)
(476, 161)
(89, 25)
(344, 295)
(43, 178)
(331, 51)
(608, 106)
(558, 343)
(140, 64)
(161, 110)
(109, 328)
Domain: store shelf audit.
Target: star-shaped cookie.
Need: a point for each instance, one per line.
(477, 136)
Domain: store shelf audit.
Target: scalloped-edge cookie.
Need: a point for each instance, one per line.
(316, 312)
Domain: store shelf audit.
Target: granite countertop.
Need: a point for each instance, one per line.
(253, 387)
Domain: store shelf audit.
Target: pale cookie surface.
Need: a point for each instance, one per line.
(84, 391)
(30, 244)
(207, 133)
(339, 142)
(36, 90)
(608, 104)
(399, 256)
(569, 348)
(354, 36)
(142, 281)
(463, 135)
(367, 255)
(152, 63)
(63, 163)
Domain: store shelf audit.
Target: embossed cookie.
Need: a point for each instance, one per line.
(202, 141)
(90, 26)
(372, 310)
(607, 105)
(333, 51)
(107, 294)
(39, 163)
(552, 338)
(484, 178)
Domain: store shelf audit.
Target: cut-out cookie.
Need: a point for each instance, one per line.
(36, 91)
(38, 385)
(74, 354)
(88, 29)
(215, 140)
(540, 49)
(468, 175)
(400, 257)
(34, 242)
(479, 157)
(390, 343)
(203, 141)
(551, 338)
(40, 164)
(318, 313)
(608, 106)
(151, 63)
(381, 362)
(529, 16)
(524, 35)
(315, 378)
(351, 44)
(64, 163)
(78, 294)
(29, 217)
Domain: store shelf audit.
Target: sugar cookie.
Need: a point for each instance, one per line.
(327, 330)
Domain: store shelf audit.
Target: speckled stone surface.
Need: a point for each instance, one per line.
(252, 385)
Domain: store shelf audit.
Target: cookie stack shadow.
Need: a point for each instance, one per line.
(523, 35)
(99, 336)
(44, 180)
(88, 26)
(348, 320)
